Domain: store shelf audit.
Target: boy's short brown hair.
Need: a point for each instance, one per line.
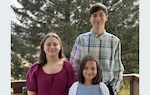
(98, 6)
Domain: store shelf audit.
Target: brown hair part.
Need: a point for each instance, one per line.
(85, 59)
(42, 56)
(96, 7)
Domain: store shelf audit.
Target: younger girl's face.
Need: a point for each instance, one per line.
(90, 70)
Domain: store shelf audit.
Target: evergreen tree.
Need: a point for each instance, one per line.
(69, 18)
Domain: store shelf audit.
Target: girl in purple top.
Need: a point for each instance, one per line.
(51, 75)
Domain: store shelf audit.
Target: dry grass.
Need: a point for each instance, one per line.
(125, 88)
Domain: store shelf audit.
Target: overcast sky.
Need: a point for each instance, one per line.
(12, 14)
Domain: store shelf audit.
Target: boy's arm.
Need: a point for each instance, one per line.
(118, 69)
(75, 55)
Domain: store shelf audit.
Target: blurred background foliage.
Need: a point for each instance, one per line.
(69, 18)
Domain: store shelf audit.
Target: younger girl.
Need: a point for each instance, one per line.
(51, 75)
(89, 79)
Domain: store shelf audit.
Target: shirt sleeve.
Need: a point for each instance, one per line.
(75, 55)
(73, 88)
(104, 89)
(31, 79)
(118, 69)
(70, 74)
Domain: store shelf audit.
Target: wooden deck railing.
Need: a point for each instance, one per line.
(134, 83)
(17, 86)
(133, 78)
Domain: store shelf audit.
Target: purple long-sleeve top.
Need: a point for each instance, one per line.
(50, 84)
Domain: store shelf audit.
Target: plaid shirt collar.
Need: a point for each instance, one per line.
(101, 36)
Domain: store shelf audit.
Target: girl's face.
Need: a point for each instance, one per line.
(98, 19)
(52, 47)
(90, 70)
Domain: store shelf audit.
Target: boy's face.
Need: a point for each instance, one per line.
(98, 19)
